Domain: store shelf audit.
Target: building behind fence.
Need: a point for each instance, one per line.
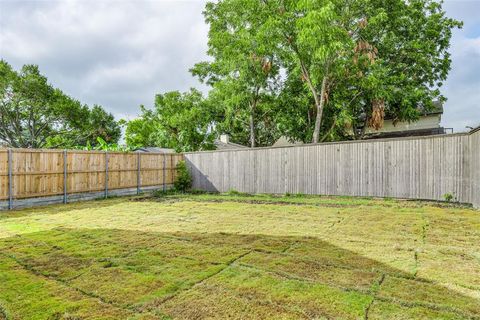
(417, 168)
(29, 176)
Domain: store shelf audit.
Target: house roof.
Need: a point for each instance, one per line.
(227, 146)
(155, 150)
(284, 141)
(437, 109)
(475, 129)
(406, 133)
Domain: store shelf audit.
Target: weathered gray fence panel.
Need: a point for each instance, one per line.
(417, 168)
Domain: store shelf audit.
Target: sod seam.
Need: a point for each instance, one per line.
(249, 299)
(344, 267)
(289, 276)
(88, 294)
(399, 302)
(289, 247)
(201, 281)
(283, 252)
(375, 292)
(431, 306)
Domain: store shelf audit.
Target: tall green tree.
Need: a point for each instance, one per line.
(86, 126)
(243, 72)
(359, 60)
(141, 132)
(398, 65)
(33, 114)
(181, 121)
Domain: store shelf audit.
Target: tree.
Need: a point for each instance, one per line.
(33, 114)
(243, 72)
(361, 60)
(180, 121)
(399, 62)
(86, 127)
(317, 39)
(233, 113)
(141, 132)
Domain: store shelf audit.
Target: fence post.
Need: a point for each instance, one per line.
(10, 180)
(65, 176)
(285, 170)
(139, 164)
(164, 172)
(106, 174)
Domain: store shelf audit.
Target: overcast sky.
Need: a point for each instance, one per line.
(119, 54)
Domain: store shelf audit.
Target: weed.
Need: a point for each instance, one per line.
(449, 197)
(183, 182)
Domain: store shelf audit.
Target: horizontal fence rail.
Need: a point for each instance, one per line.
(64, 175)
(417, 168)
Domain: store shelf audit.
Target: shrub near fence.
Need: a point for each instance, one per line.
(59, 175)
(416, 168)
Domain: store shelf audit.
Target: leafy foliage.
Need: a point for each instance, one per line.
(104, 146)
(33, 114)
(347, 64)
(309, 70)
(183, 181)
(180, 121)
(244, 71)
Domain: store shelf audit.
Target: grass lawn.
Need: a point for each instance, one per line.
(240, 257)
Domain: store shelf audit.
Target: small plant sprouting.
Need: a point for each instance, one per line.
(449, 197)
(233, 192)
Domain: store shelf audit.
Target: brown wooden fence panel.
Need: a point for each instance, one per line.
(36, 173)
(43, 173)
(85, 171)
(122, 168)
(152, 169)
(3, 174)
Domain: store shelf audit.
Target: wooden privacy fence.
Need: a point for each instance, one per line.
(416, 168)
(30, 173)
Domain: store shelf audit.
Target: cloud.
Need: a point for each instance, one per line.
(463, 85)
(119, 54)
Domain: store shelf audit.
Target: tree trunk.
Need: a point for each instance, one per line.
(320, 104)
(252, 124)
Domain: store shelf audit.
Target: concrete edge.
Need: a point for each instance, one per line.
(44, 201)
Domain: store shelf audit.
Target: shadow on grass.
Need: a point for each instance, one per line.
(119, 273)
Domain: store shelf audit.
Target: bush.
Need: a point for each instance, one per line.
(183, 182)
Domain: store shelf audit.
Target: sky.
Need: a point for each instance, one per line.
(120, 53)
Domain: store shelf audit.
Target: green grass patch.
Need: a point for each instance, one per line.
(240, 256)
